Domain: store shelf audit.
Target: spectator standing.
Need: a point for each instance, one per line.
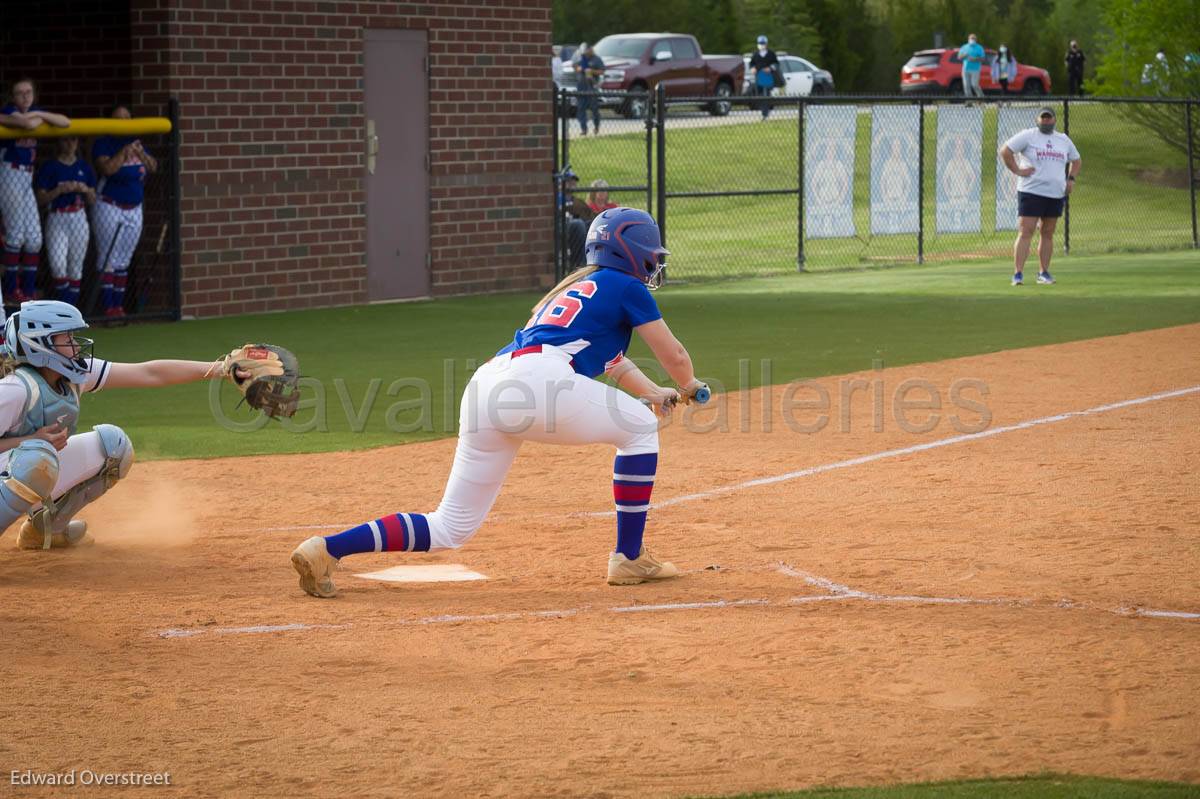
(972, 56)
(1075, 60)
(1004, 68)
(1042, 187)
(598, 197)
(66, 184)
(763, 66)
(122, 164)
(18, 206)
(589, 69)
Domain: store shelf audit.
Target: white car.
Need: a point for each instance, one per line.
(802, 77)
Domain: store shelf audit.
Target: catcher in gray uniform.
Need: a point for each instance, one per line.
(48, 472)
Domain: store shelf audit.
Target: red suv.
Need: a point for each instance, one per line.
(940, 72)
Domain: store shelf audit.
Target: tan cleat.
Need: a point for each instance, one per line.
(75, 535)
(315, 566)
(623, 571)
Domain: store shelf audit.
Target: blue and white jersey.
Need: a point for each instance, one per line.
(18, 153)
(124, 186)
(55, 171)
(592, 319)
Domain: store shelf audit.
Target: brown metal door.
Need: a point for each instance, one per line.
(396, 142)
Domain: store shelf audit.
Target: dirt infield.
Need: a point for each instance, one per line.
(981, 606)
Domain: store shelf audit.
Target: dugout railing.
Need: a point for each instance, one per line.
(812, 188)
(106, 246)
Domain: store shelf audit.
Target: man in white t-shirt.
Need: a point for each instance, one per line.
(1041, 159)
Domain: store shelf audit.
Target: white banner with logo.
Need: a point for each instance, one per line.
(894, 179)
(1009, 123)
(829, 171)
(959, 163)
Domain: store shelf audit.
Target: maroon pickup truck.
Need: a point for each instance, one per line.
(638, 62)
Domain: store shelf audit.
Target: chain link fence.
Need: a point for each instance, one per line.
(92, 220)
(819, 183)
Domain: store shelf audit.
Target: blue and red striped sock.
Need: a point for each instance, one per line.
(12, 269)
(633, 480)
(29, 270)
(119, 276)
(399, 532)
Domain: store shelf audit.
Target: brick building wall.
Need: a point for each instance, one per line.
(271, 101)
(271, 105)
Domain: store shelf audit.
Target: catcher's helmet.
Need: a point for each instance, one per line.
(628, 240)
(28, 334)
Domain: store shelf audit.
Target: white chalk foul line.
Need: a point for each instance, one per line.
(895, 453)
(836, 593)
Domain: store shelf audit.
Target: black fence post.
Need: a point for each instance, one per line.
(660, 115)
(1067, 201)
(176, 212)
(800, 194)
(921, 182)
(1192, 171)
(649, 161)
(559, 112)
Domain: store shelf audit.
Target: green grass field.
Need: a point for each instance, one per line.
(806, 325)
(1053, 786)
(1129, 198)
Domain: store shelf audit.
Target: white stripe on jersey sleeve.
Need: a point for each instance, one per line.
(97, 375)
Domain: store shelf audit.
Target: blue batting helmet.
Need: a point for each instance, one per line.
(628, 240)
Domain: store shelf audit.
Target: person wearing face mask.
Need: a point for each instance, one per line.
(763, 66)
(1046, 164)
(972, 56)
(1004, 68)
(1075, 59)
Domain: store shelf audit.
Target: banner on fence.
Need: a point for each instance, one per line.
(1010, 122)
(829, 171)
(959, 163)
(894, 146)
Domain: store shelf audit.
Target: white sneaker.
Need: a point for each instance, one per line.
(315, 566)
(623, 571)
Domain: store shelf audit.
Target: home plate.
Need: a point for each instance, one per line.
(433, 573)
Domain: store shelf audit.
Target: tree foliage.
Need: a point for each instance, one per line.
(1137, 31)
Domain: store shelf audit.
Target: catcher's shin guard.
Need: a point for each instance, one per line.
(29, 479)
(54, 518)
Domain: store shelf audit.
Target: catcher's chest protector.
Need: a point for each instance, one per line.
(44, 405)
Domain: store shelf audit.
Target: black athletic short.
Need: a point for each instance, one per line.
(1037, 205)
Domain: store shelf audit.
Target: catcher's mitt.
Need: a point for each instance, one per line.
(270, 377)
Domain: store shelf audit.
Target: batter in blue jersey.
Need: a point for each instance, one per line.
(542, 387)
(592, 320)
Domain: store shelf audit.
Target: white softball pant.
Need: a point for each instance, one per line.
(117, 233)
(18, 206)
(535, 397)
(81, 458)
(66, 243)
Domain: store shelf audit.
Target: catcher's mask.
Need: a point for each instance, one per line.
(628, 240)
(29, 334)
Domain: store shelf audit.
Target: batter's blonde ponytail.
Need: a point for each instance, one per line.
(574, 277)
(8, 365)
